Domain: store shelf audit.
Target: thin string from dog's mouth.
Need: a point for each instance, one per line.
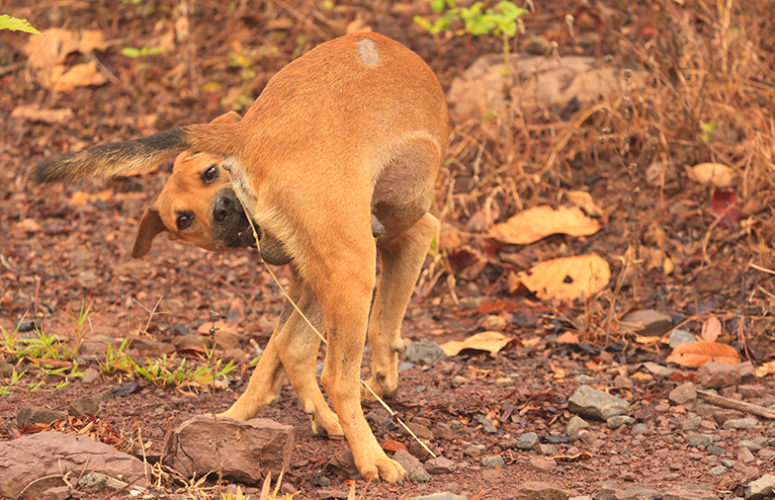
(390, 411)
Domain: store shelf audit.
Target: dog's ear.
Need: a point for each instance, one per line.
(150, 226)
(228, 117)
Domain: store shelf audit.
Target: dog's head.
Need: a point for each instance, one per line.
(197, 205)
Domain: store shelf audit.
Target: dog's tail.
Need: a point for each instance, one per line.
(138, 155)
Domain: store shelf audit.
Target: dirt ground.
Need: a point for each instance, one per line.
(691, 250)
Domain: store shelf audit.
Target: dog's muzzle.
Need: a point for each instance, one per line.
(229, 222)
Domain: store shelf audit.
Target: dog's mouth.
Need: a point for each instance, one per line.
(244, 236)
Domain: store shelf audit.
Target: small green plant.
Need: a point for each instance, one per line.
(117, 360)
(166, 371)
(707, 129)
(142, 52)
(79, 322)
(5, 387)
(15, 24)
(502, 19)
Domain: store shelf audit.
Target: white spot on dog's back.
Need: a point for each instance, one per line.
(367, 52)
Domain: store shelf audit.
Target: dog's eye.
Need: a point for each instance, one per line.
(184, 220)
(210, 174)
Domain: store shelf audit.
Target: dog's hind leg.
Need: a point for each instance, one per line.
(402, 258)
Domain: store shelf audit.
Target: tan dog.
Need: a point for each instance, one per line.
(354, 130)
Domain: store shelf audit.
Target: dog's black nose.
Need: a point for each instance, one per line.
(224, 207)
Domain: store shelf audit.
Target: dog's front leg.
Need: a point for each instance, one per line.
(343, 281)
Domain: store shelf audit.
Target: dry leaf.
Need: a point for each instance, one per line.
(765, 369)
(696, 354)
(567, 338)
(491, 342)
(34, 113)
(567, 278)
(585, 201)
(48, 54)
(711, 329)
(80, 198)
(715, 174)
(538, 222)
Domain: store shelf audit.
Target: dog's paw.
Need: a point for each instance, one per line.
(381, 387)
(383, 468)
(327, 425)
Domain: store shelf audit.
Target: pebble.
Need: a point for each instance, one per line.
(638, 429)
(38, 415)
(754, 445)
(715, 450)
(575, 424)
(741, 423)
(744, 455)
(695, 439)
(458, 380)
(425, 352)
(419, 475)
(590, 402)
(474, 450)
(440, 465)
(726, 462)
(493, 461)
(683, 394)
(527, 441)
(770, 430)
(679, 336)
(503, 382)
(82, 406)
(546, 449)
(717, 374)
(717, 470)
(537, 45)
(761, 488)
(691, 423)
(542, 463)
(493, 322)
(487, 425)
(618, 421)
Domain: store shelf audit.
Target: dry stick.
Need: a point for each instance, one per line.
(323, 338)
(737, 405)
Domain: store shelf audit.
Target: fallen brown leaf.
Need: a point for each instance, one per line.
(765, 369)
(696, 354)
(715, 174)
(538, 222)
(567, 278)
(491, 342)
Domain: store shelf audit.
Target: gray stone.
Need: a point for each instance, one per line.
(726, 462)
(647, 322)
(684, 393)
(440, 496)
(750, 391)
(440, 465)
(659, 370)
(527, 441)
(695, 439)
(425, 352)
(639, 429)
(474, 450)
(420, 431)
(540, 491)
(678, 337)
(493, 461)
(745, 456)
(761, 488)
(691, 423)
(407, 460)
(546, 449)
(575, 424)
(26, 461)
(38, 415)
(618, 421)
(717, 470)
(715, 450)
(754, 445)
(741, 423)
(689, 491)
(247, 449)
(458, 380)
(770, 430)
(82, 406)
(419, 475)
(590, 402)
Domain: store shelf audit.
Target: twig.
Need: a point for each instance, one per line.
(734, 404)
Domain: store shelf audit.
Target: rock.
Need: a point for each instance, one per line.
(678, 337)
(407, 460)
(38, 415)
(504, 382)
(590, 402)
(425, 352)
(493, 461)
(6, 369)
(689, 491)
(741, 423)
(343, 464)
(719, 415)
(632, 492)
(647, 322)
(527, 441)
(458, 380)
(91, 375)
(440, 465)
(770, 430)
(474, 450)
(717, 374)
(638, 429)
(487, 425)
(540, 491)
(744, 455)
(691, 423)
(753, 444)
(546, 449)
(247, 449)
(147, 345)
(440, 496)
(618, 421)
(82, 406)
(760, 488)
(715, 450)
(575, 424)
(493, 322)
(420, 431)
(623, 382)
(542, 464)
(695, 439)
(717, 470)
(51, 455)
(683, 394)
(419, 475)
(751, 391)
(537, 45)
(658, 370)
